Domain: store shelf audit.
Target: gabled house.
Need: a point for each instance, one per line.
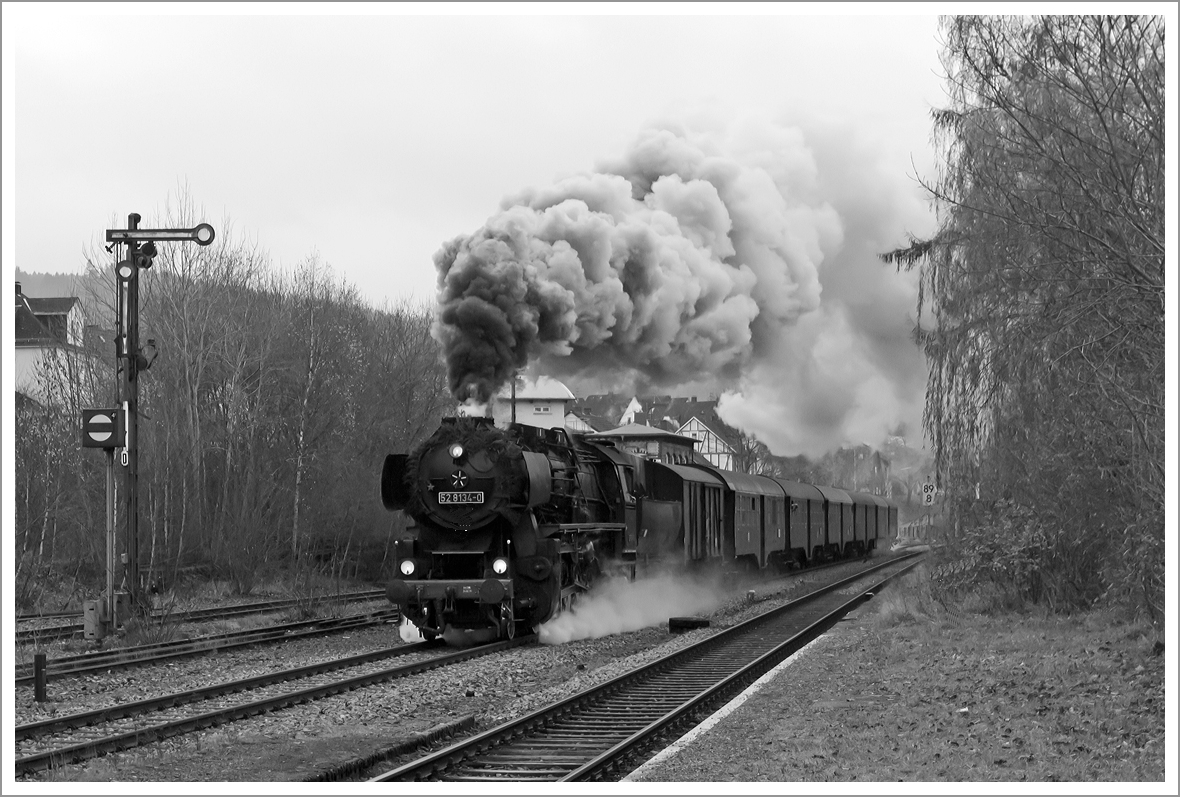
(601, 410)
(45, 329)
(865, 469)
(62, 316)
(576, 423)
(712, 446)
(718, 442)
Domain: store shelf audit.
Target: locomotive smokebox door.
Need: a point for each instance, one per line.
(395, 493)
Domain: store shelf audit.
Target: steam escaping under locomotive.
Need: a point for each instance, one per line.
(508, 526)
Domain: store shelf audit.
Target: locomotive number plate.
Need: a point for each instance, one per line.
(460, 498)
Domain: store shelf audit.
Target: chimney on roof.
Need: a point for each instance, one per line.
(18, 290)
(693, 399)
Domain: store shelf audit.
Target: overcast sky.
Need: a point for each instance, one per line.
(371, 137)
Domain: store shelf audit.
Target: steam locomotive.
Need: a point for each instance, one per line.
(507, 527)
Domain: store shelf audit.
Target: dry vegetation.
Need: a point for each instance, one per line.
(916, 691)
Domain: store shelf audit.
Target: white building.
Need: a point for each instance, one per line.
(576, 423)
(48, 345)
(542, 402)
(712, 446)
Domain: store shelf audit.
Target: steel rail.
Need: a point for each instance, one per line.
(55, 632)
(276, 605)
(588, 745)
(47, 615)
(122, 740)
(611, 760)
(140, 655)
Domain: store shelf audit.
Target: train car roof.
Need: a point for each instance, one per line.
(836, 495)
(800, 490)
(692, 474)
(747, 483)
(865, 498)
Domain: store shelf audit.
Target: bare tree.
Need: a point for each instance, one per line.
(263, 421)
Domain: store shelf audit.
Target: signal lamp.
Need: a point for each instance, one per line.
(125, 270)
(146, 252)
(203, 234)
(147, 355)
(407, 567)
(500, 566)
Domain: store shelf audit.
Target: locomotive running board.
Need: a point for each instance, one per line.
(549, 529)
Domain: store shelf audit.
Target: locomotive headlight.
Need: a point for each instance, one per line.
(456, 451)
(407, 567)
(500, 566)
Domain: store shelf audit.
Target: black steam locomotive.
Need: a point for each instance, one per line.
(512, 525)
(509, 526)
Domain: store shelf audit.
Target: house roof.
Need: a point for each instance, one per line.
(595, 423)
(644, 431)
(58, 305)
(667, 412)
(684, 410)
(30, 331)
(602, 405)
(541, 389)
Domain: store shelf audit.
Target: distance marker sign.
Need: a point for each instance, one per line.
(102, 428)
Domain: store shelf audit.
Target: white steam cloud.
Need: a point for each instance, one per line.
(742, 254)
(617, 605)
(848, 371)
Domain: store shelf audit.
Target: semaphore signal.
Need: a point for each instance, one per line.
(115, 428)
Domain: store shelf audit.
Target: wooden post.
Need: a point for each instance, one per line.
(39, 677)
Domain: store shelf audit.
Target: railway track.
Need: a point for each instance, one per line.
(46, 616)
(53, 633)
(601, 732)
(140, 655)
(78, 737)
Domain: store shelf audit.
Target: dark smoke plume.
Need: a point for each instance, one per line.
(651, 265)
(694, 257)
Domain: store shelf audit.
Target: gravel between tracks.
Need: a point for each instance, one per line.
(788, 734)
(303, 741)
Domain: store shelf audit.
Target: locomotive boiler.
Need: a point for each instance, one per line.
(506, 526)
